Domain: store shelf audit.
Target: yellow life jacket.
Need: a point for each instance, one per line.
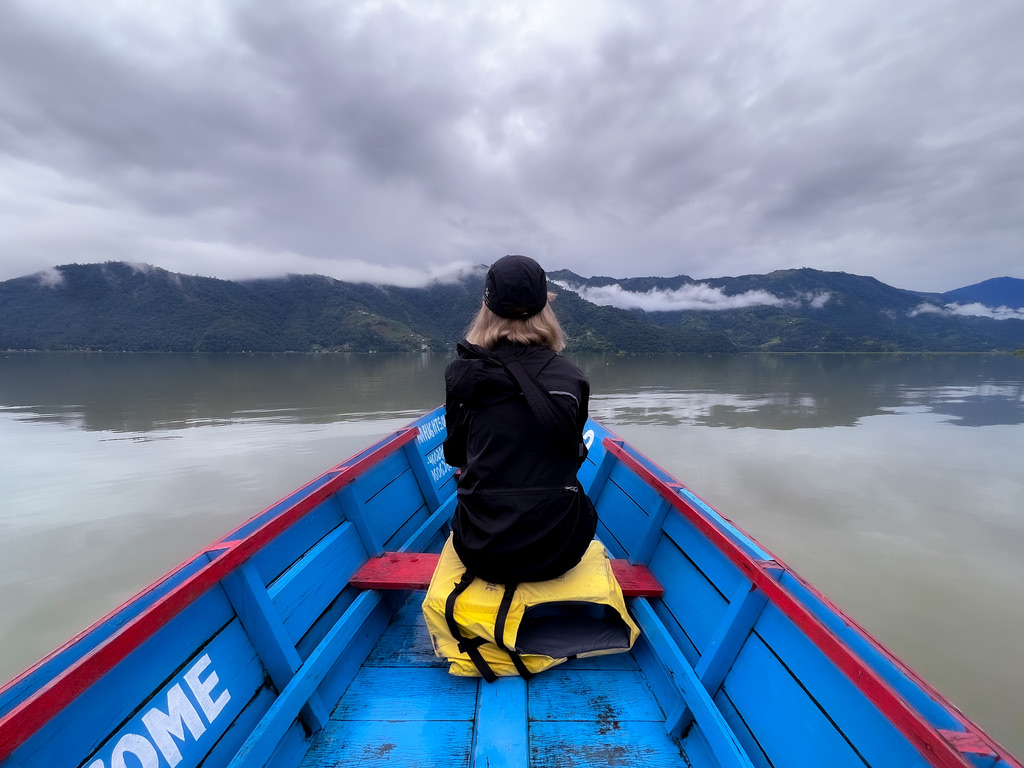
(493, 630)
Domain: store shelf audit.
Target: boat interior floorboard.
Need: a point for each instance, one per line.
(404, 709)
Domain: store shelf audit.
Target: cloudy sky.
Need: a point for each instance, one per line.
(398, 142)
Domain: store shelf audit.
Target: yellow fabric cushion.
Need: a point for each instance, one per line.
(581, 613)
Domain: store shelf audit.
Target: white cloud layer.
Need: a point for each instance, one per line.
(971, 310)
(696, 297)
(399, 140)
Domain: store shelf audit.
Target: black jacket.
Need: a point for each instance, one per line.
(521, 513)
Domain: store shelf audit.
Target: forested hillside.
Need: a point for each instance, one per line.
(816, 311)
(117, 306)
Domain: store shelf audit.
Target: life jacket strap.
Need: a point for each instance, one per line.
(468, 645)
(499, 632)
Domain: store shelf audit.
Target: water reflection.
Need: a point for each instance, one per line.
(797, 392)
(142, 393)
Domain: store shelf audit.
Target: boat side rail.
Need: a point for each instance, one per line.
(224, 558)
(946, 747)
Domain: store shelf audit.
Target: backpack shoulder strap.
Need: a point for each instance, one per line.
(554, 420)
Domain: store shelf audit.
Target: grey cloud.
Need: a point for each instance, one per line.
(699, 296)
(607, 138)
(971, 310)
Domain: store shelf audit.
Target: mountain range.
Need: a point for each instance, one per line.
(129, 307)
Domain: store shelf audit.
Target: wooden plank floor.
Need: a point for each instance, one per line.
(404, 709)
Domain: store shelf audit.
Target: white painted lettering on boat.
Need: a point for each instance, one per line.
(161, 727)
(430, 430)
(436, 465)
(165, 727)
(588, 438)
(201, 689)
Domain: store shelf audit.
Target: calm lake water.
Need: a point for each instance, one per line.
(894, 484)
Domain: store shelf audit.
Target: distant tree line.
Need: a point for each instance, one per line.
(120, 307)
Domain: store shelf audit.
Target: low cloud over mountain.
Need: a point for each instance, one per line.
(975, 309)
(695, 296)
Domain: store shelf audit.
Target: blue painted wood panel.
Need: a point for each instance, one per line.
(382, 474)
(184, 720)
(400, 715)
(384, 500)
(622, 519)
(643, 495)
(624, 506)
(608, 698)
(436, 478)
(695, 604)
(502, 738)
(268, 635)
(391, 508)
(861, 723)
(595, 745)
(739, 727)
(307, 679)
(411, 612)
(661, 682)
(417, 517)
(290, 750)
(586, 474)
(432, 532)
(351, 656)
(278, 555)
(405, 744)
(242, 726)
(393, 694)
(85, 722)
(305, 590)
(326, 620)
(788, 725)
(407, 646)
(936, 713)
(707, 557)
(692, 696)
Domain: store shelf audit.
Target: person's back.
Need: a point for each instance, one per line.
(522, 515)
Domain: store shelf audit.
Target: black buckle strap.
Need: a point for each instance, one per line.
(499, 632)
(468, 645)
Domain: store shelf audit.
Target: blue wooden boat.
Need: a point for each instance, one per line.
(266, 649)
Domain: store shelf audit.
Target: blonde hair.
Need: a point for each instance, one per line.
(487, 329)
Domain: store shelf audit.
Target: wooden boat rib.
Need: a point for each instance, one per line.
(261, 651)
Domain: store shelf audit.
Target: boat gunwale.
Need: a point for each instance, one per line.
(938, 746)
(31, 714)
(928, 739)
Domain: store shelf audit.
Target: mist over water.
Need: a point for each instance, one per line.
(894, 484)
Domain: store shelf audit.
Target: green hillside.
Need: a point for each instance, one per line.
(852, 313)
(116, 306)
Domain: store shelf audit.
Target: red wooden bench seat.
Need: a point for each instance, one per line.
(412, 570)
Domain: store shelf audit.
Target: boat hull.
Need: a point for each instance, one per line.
(258, 651)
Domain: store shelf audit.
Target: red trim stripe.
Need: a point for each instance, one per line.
(33, 713)
(936, 749)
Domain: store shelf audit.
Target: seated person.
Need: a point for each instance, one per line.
(515, 413)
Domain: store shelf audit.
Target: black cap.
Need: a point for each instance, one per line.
(516, 288)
